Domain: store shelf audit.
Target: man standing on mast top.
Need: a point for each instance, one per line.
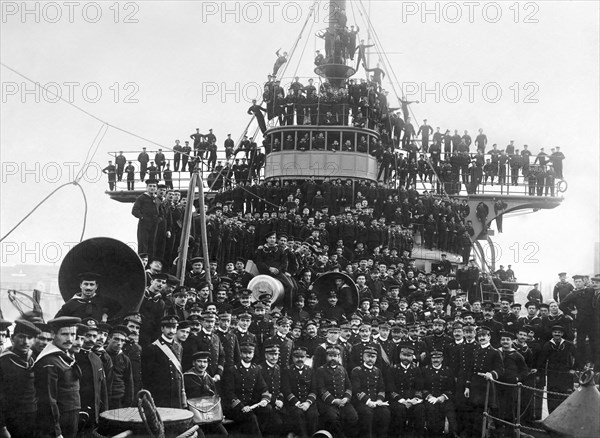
(281, 59)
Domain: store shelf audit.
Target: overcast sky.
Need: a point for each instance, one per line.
(521, 71)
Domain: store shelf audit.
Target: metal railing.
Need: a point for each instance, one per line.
(515, 424)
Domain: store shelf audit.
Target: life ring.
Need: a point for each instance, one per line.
(562, 186)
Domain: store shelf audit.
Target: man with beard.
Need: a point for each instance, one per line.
(161, 367)
(438, 341)
(89, 303)
(57, 382)
(133, 323)
(18, 402)
(404, 385)
(334, 395)
(93, 390)
(271, 373)
(262, 327)
(486, 365)
(121, 385)
(368, 387)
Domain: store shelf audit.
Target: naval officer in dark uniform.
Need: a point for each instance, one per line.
(57, 382)
(246, 395)
(300, 394)
(487, 365)
(162, 374)
(438, 395)
(335, 394)
(18, 401)
(368, 388)
(145, 209)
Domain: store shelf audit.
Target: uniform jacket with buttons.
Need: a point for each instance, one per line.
(298, 385)
(404, 382)
(162, 377)
(272, 377)
(437, 382)
(367, 384)
(333, 383)
(244, 386)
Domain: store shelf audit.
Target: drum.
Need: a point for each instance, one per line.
(115, 421)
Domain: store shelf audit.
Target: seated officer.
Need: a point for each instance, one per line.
(368, 388)
(300, 394)
(246, 394)
(335, 392)
(438, 392)
(404, 386)
(271, 373)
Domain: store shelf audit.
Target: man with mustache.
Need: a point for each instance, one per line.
(334, 395)
(487, 365)
(162, 374)
(88, 303)
(300, 393)
(57, 382)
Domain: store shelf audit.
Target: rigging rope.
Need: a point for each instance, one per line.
(387, 64)
(39, 204)
(87, 161)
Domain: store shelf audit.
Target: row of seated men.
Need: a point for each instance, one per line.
(373, 380)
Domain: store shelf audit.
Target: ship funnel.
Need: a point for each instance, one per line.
(579, 415)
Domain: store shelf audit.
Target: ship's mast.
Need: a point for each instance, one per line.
(335, 70)
(368, 54)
